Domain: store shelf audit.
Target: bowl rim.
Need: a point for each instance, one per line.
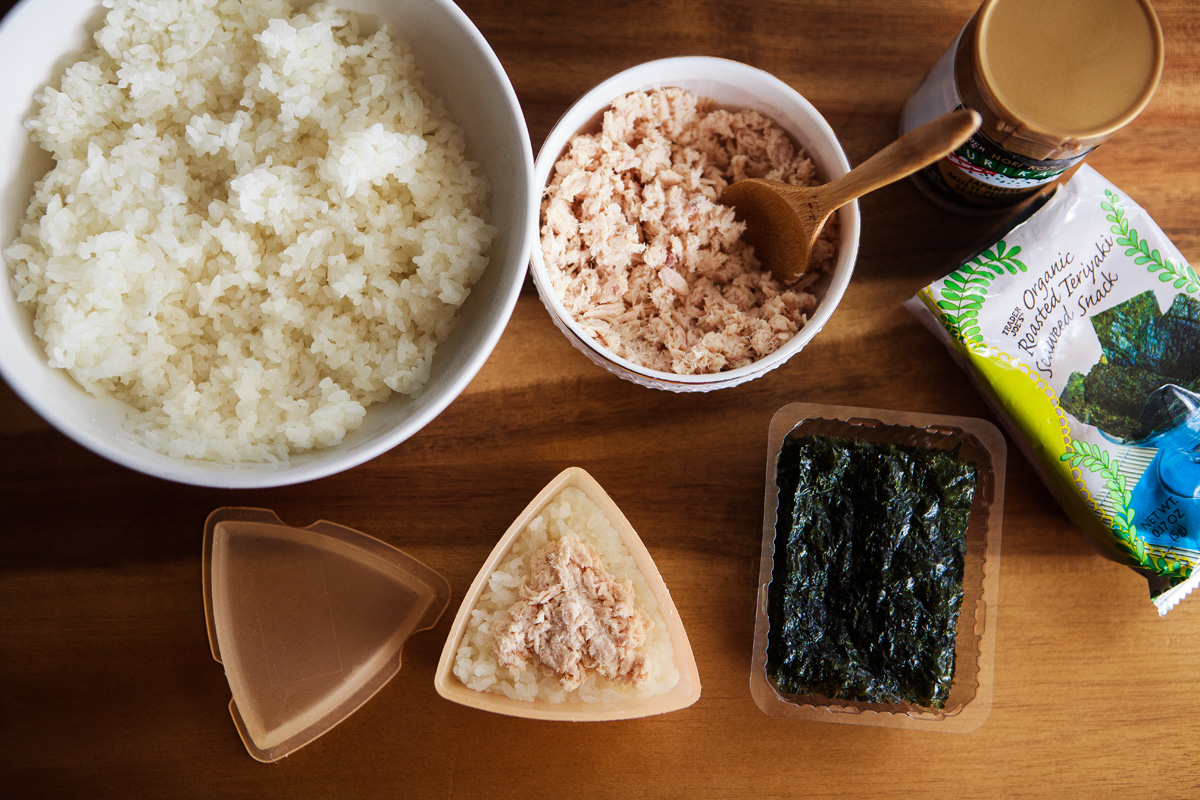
(689, 69)
(313, 464)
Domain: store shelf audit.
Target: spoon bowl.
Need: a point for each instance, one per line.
(783, 221)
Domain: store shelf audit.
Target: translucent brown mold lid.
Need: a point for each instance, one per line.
(683, 694)
(309, 622)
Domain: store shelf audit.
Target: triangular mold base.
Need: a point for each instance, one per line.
(682, 695)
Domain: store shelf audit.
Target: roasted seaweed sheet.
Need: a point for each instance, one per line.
(1142, 350)
(870, 541)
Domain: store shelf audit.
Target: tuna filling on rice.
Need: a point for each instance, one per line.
(567, 616)
(645, 258)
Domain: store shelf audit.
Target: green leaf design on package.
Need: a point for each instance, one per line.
(1169, 270)
(1098, 460)
(964, 290)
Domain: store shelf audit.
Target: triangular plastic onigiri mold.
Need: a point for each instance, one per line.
(683, 694)
(309, 622)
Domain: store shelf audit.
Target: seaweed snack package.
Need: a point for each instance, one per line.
(1082, 327)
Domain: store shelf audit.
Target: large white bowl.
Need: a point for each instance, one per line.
(731, 85)
(40, 38)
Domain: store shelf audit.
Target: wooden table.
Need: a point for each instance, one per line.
(110, 690)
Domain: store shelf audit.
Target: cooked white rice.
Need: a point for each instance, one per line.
(475, 664)
(258, 224)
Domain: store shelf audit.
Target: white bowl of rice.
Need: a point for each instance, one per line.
(638, 262)
(266, 242)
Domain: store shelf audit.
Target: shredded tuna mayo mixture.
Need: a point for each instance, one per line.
(574, 616)
(643, 255)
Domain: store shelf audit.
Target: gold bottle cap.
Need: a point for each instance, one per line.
(1062, 75)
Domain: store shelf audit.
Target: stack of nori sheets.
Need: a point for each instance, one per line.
(1142, 350)
(867, 584)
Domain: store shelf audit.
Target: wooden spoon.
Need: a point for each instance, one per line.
(783, 221)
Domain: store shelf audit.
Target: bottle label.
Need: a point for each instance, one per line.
(984, 174)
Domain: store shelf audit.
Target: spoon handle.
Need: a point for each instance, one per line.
(912, 151)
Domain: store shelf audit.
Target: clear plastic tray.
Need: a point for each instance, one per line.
(970, 699)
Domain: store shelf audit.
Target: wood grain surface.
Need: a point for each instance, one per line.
(109, 686)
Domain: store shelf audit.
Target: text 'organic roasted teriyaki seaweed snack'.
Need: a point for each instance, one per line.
(1082, 326)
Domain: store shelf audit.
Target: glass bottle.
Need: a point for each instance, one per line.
(1052, 80)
